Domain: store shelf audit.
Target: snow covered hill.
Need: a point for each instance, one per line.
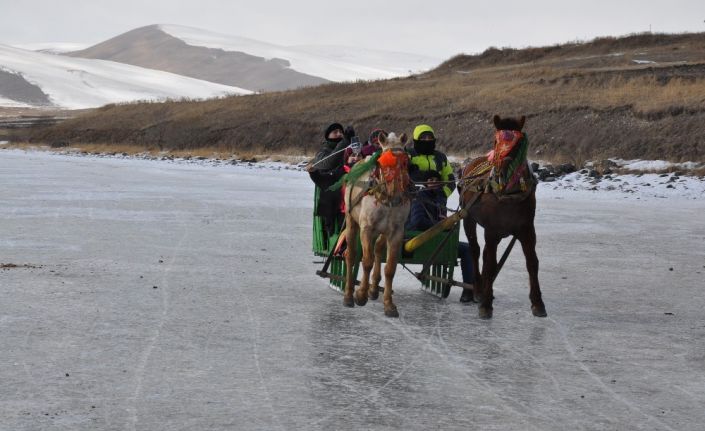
(160, 62)
(248, 63)
(30, 78)
(334, 63)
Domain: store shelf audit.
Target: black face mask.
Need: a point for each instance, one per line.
(336, 140)
(424, 147)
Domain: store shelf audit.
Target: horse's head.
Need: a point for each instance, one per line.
(392, 140)
(509, 123)
(393, 172)
(506, 140)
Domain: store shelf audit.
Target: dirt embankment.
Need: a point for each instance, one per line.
(641, 96)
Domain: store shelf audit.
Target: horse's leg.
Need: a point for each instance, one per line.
(377, 269)
(489, 269)
(390, 268)
(368, 258)
(528, 244)
(350, 255)
(471, 232)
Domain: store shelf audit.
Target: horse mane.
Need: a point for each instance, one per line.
(509, 123)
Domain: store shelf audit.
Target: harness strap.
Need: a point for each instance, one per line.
(367, 185)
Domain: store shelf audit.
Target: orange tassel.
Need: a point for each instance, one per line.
(387, 159)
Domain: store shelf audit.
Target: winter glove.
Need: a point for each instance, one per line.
(349, 132)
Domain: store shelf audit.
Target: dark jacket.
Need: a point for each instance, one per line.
(330, 156)
(327, 170)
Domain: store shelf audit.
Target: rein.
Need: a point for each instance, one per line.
(389, 181)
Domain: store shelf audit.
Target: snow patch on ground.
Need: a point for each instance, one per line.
(654, 165)
(635, 186)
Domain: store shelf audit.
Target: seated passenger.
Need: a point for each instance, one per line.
(327, 168)
(430, 169)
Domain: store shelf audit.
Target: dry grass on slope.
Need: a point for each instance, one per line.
(580, 104)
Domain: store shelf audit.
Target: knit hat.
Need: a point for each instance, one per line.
(334, 126)
(423, 128)
(374, 136)
(424, 146)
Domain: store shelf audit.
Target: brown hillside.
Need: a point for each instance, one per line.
(641, 96)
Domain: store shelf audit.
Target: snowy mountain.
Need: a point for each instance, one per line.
(160, 62)
(30, 78)
(248, 63)
(334, 63)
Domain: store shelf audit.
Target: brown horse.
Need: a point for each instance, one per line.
(500, 216)
(377, 205)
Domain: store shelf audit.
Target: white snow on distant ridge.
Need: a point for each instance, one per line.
(52, 48)
(77, 83)
(330, 62)
(9, 103)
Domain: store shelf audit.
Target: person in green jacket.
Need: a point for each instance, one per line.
(429, 169)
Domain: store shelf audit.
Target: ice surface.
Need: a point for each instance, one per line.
(240, 334)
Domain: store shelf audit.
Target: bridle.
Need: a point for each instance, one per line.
(391, 184)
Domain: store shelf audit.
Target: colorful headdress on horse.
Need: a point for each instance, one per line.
(508, 173)
(392, 177)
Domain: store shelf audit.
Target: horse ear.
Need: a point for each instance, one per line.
(496, 119)
(522, 120)
(382, 139)
(403, 138)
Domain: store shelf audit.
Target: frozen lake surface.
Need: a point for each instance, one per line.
(158, 296)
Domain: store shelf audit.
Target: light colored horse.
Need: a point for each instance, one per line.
(377, 206)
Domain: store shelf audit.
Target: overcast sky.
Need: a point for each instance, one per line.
(438, 28)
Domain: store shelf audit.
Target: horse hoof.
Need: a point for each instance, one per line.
(373, 295)
(467, 297)
(539, 311)
(348, 302)
(391, 312)
(361, 301)
(485, 313)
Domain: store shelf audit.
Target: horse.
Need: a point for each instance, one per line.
(377, 206)
(500, 214)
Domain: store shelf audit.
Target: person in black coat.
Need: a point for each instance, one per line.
(326, 169)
